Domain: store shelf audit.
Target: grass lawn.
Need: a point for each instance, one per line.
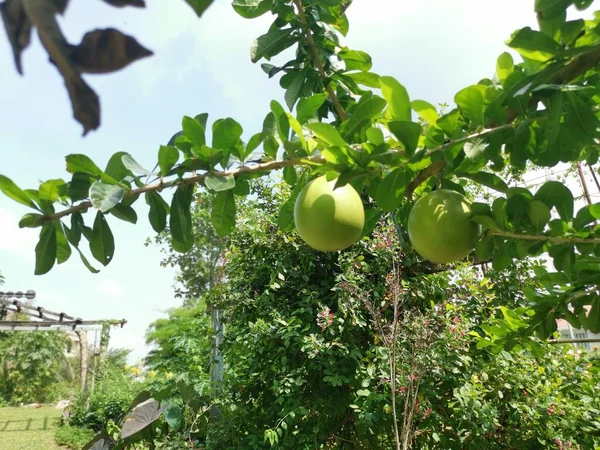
(28, 428)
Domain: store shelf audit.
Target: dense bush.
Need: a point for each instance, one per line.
(109, 400)
(73, 437)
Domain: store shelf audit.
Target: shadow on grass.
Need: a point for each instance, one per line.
(28, 424)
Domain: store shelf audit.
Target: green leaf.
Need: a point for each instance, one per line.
(592, 320)
(11, 190)
(406, 132)
(271, 44)
(51, 190)
(180, 220)
(426, 110)
(158, 211)
(30, 220)
(285, 219)
(281, 121)
(115, 167)
(554, 117)
(79, 186)
(223, 213)
(102, 244)
(308, 107)
(391, 190)
(470, 101)
(63, 249)
(250, 9)
(486, 221)
(484, 248)
(290, 175)
(356, 60)
(167, 158)
(194, 130)
(372, 217)
(556, 194)
(586, 215)
(124, 212)
(226, 133)
(83, 164)
(327, 133)
(45, 250)
(539, 214)
(397, 99)
(362, 114)
(294, 90)
(336, 155)
(174, 417)
(487, 179)
(104, 196)
(219, 184)
(199, 6)
(533, 44)
(242, 187)
(365, 78)
(132, 164)
(505, 65)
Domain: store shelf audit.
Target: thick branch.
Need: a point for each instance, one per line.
(553, 239)
(317, 61)
(258, 168)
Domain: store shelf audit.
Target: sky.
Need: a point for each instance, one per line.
(433, 47)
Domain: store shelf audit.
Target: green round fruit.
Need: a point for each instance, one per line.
(329, 219)
(440, 226)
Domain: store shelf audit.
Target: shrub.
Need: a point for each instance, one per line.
(73, 437)
(110, 399)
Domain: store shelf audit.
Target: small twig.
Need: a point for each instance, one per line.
(586, 192)
(317, 61)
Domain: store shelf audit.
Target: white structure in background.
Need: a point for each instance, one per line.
(568, 332)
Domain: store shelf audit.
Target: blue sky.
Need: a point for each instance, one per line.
(433, 47)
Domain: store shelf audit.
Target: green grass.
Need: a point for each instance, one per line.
(28, 428)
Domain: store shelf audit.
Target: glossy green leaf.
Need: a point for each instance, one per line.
(363, 113)
(294, 90)
(356, 60)
(505, 65)
(199, 6)
(250, 9)
(180, 219)
(63, 249)
(223, 213)
(167, 158)
(391, 190)
(219, 184)
(45, 250)
(586, 215)
(307, 107)
(124, 212)
(83, 164)
(281, 121)
(271, 44)
(426, 110)
(30, 220)
(290, 176)
(11, 190)
(226, 133)
(104, 196)
(285, 219)
(484, 248)
(539, 214)
(130, 163)
(470, 101)
(159, 209)
(51, 190)
(397, 98)
(102, 244)
(336, 155)
(366, 79)
(556, 194)
(375, 135)
(327, 133)
(115, 167)
(487, 179)
(194, 130)
(486, 221)
(533, 44)
(592, 320)
(406, 132)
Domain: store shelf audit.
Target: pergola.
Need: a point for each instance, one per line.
(42, 319)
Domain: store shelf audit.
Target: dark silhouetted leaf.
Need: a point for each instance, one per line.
(45, 250)
(180, 220)
(18, 28)
(271, 44)
(102, 244)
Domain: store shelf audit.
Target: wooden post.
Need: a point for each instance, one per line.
(83, 358)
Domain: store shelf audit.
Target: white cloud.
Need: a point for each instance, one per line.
(15, 241)
(109, 288)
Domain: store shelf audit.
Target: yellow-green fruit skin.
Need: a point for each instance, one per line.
(440, 226)
(329, 219)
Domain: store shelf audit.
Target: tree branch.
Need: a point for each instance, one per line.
(317, 61)
(157, 187)
(553, 239)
